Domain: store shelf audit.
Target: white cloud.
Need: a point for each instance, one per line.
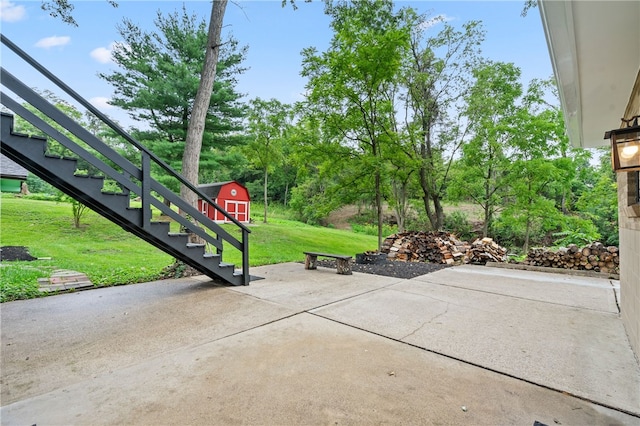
(53, 41)
(10, 12)
(101, 102)
(103, 54)
(436, 20)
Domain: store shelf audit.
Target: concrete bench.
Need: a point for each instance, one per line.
(343, 263)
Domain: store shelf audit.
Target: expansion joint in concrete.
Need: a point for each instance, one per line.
(615, 296)
(502, 373)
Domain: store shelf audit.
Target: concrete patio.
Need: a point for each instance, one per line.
(464, 345)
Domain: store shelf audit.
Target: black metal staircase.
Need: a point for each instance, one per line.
(132, 179)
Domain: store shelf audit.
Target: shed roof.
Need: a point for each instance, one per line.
(212, 190)
(11, 170)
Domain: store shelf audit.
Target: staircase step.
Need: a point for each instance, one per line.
(162, 224)
(195, 245)
(227, 265)
(84, 176)
(19, 135)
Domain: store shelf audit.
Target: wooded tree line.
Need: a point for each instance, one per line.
(401, 111)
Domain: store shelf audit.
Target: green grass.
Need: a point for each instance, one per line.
(108, 255)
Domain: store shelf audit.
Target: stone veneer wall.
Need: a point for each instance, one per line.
(629, 224)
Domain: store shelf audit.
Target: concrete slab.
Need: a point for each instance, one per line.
(315, 347)
(591, 293)
(291, 285)
(581, 351)
(303, 370)
(53, 342)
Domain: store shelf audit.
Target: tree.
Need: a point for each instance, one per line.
(436, 76)
(159, 79)
(63, 9)
(77, 209)
(350, 84)
(195, 130)
(400, 174)
(318, 159)
(533, 169)
(483, 170)
(268, 124)
(599, 201)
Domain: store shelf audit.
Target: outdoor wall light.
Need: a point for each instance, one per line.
(625, 146)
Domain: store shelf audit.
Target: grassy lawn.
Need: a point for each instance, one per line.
(111, 256)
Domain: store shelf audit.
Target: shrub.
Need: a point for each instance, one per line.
(311, 204)
(39, 186)
(458, 223)
(577, 231)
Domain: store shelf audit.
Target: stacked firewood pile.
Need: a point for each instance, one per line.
(485, 250)
(440, 247)
(594, 257)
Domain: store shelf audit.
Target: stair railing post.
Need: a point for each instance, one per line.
(123, 188)
(245, 257)
(146, 190)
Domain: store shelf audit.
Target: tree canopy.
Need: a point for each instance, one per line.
(401, 112)
(158, 81)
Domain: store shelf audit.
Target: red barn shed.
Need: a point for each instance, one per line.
(231, 196)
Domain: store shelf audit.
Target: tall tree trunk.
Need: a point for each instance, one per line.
(266, 175)
(379, 208)
(400, 195)
(438, 213)
(485, 225)
(286, 193)
(436, 217)
(193, 145)
(527, 234)
(487, 196)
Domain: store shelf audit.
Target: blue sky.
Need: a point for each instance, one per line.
(275, 37)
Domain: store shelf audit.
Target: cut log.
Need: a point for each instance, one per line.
(441, 247)
(594, 257)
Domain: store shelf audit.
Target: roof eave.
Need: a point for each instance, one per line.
(595, 53)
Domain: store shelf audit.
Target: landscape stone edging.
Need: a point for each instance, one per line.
(576, 272)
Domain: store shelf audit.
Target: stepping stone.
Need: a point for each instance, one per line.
(64, 280)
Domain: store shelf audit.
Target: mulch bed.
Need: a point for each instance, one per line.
(11, 253)
(390, 268)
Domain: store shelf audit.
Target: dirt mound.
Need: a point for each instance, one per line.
(339, 219)
(11, 253)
